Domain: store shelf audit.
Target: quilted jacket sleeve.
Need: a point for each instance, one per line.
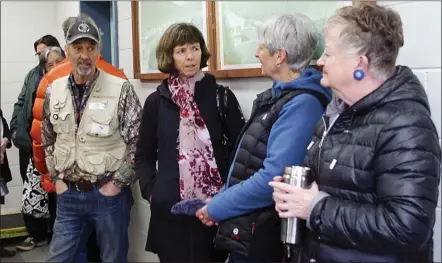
(406, 166)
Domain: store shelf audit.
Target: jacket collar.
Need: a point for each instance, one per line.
(403, 85)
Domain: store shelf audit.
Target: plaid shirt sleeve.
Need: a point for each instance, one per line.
(129, 114)
(48, 136)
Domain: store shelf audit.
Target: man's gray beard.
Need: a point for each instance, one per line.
(84, 73)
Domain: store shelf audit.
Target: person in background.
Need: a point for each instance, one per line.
(276, 136)
(182, 132)
(5, 172)
(375, 156)
(89, 133)
(20, 127)
(22, 114)
(48, 59)
(37, 203)
(93, 251)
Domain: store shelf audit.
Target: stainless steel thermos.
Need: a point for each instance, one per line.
(292, 229)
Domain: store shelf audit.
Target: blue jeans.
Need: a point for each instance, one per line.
(79, 212)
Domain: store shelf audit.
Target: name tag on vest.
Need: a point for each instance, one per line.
(97, 106)
(99, 129)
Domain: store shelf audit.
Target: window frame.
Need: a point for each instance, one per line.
(212, 44)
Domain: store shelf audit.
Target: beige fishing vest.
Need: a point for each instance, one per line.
(96, 146)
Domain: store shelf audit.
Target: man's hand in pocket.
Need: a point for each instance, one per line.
(60, 187)
(109, 189)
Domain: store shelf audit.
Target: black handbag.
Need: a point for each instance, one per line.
(235, 234)
(255, 235)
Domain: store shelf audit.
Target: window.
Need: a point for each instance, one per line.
(230, 29)
(156, 16)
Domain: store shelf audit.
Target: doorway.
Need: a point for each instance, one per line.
(104, 13)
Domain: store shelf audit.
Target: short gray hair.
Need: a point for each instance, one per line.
(296, 33)
(370, 30)
(67, 24)
(43, 58)
(81, 17)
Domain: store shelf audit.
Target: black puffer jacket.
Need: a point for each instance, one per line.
(380, 165)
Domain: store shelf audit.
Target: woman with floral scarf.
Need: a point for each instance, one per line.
(182, 151)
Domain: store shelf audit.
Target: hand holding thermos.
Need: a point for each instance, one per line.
(293, 193)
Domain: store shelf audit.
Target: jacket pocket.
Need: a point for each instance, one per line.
(61, 158)
(100, 126)
(22, 138)
(114, 158)
(60, 122)
(255, 235)
(94, 162)
(235, 235)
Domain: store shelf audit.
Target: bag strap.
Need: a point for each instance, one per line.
(222, 106)
(288, 95)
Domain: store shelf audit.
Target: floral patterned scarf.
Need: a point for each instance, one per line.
(199, 175)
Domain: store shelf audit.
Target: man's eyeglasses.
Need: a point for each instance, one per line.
(38, 42)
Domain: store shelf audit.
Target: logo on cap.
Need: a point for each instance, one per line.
(83, 27)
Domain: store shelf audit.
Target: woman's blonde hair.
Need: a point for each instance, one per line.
(370, 30)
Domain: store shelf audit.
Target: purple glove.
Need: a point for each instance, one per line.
(188, 207)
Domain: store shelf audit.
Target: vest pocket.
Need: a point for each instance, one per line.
(60, 122)
(100, 126)
(95, 157)
(114, 158)
(105, 161)
(94, 162)
(102, 110)
(61, 158)
(116, 153)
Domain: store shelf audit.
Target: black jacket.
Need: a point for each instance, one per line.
(383, 184)
(5, 171)
(157, 144)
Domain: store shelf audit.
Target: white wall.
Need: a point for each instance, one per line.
(64, 9)
(422, 52)
(22, 23)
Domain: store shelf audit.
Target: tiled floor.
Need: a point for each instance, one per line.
(37, 255)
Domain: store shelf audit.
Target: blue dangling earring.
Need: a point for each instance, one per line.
(358, 74)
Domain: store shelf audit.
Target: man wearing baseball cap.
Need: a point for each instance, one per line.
(89, 133)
